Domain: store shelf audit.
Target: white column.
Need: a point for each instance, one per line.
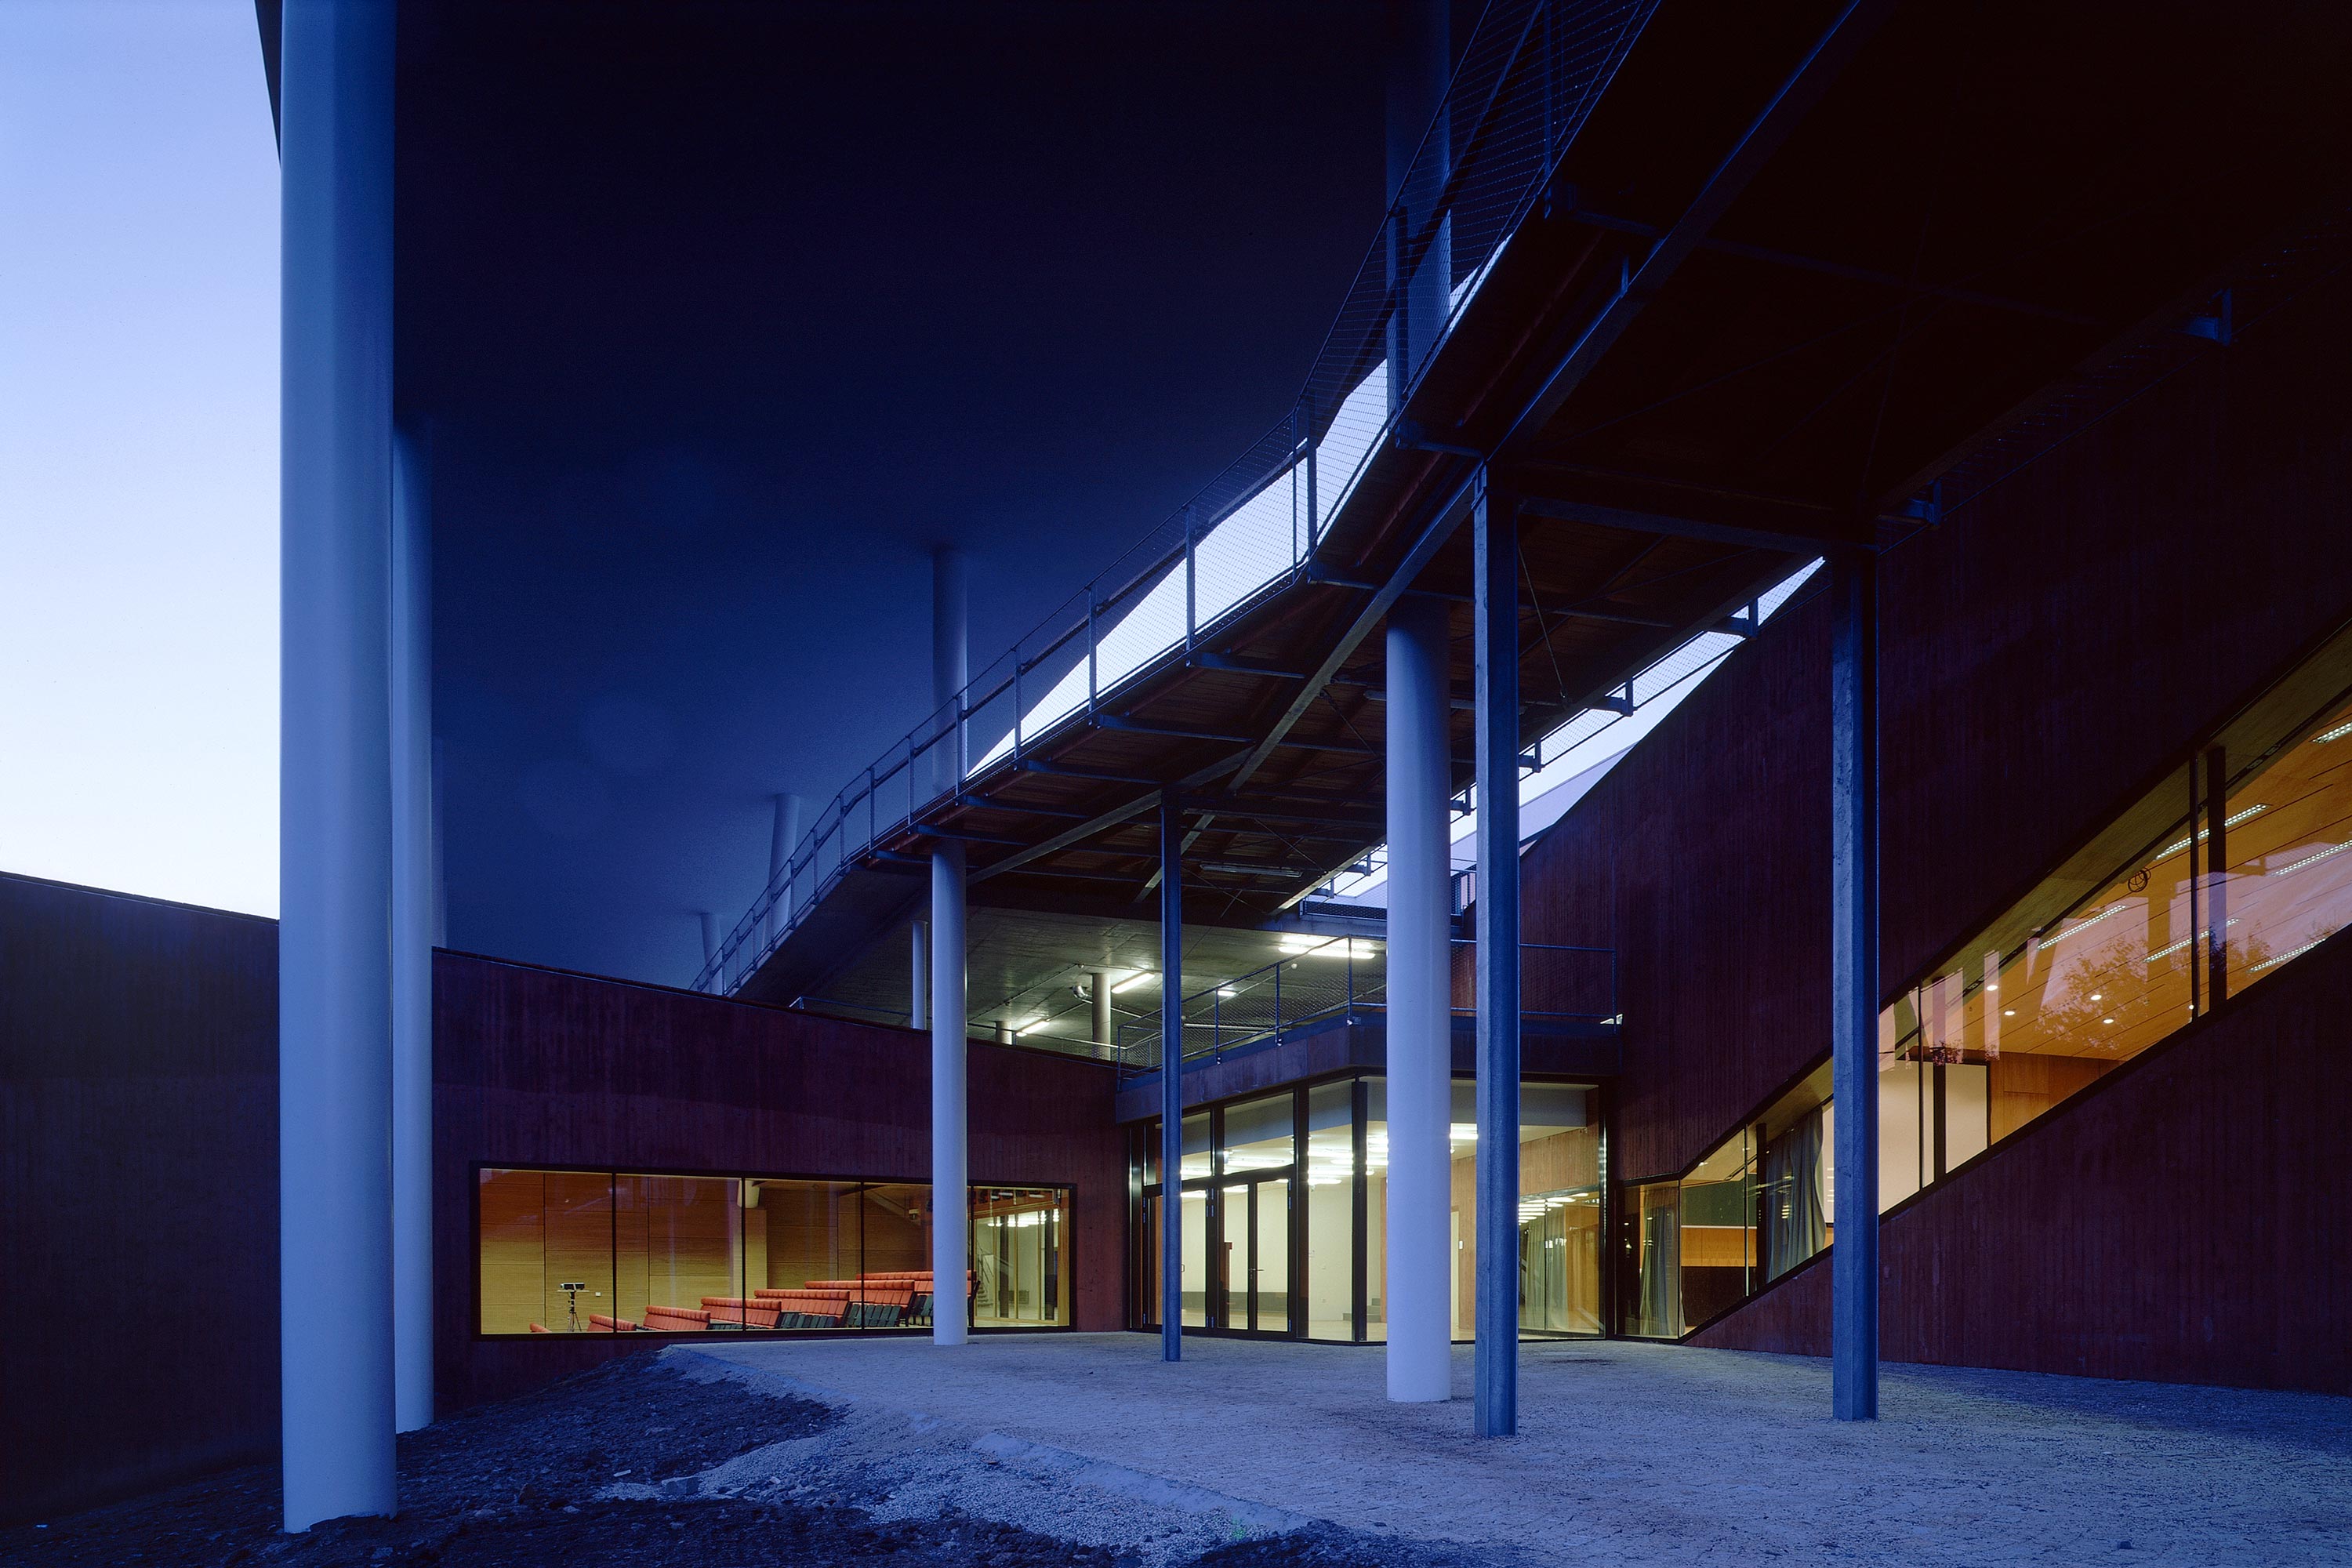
(950, 1195)
(1099, 994)
(950, 1246)
(415, 929)
(335, 933)
(1419, 1004)
(919, 989)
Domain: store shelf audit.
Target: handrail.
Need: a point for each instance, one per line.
(1526, 84)
(1253, 1010)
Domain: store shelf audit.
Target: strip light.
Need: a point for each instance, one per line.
(2184, 941)
(2252, 811)
(2309, 859)
(2080, 926)
(2338, 733)
(2291, 953)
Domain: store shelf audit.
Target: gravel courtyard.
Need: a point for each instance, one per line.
(1086, 1451)
(1628, 1453)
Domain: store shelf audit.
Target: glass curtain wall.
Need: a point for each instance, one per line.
(1291, 1195)
(624, 1252)
(2227, 872)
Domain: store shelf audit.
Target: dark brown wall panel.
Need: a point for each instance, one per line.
(535, 1066)
(138, 1194)
(2048, 653)
(2177, 1222)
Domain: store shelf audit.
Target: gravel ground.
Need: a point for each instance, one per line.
(1638, 1454)
(656, 1461)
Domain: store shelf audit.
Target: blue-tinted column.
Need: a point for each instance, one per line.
(415, 922)
(1854, 982)
(1495, 543)
(1420, 1023)
(1172, 1078)
(335, 765)
(950, 1194)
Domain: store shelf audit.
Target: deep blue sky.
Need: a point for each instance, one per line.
(722, 323)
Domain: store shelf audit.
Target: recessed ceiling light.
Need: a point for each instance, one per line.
(2096, 997)
(2106, 1020)
(2009, 1012)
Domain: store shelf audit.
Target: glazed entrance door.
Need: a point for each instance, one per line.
(1252, 1285)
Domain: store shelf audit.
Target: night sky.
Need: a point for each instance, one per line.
(721, 317)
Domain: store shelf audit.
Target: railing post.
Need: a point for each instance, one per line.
(1192, 582)
(1314, 521)
(1094, 663)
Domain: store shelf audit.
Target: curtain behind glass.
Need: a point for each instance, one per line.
(1792, 1175)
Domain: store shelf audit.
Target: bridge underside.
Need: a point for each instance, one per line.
(1793, 284)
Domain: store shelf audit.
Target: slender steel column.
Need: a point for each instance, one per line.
(1171, 1079)
(335, 764)
(950, 1194)
(1420, 1004)
(918, 990)
(1854, 982)
(1494, 544)
(415, 930)
(951, 1190)
(1098, 995)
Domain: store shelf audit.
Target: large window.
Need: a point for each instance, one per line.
(601, 1252)
(1285, 1213)
(2229, 869)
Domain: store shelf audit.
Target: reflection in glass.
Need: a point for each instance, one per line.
(1653, 1275)
(600, 1252)
(1258, 1135)
(1330, 1184)
(1016, 1254)
(1270, 1257)
(1197, 1157)
(677, 1243)
(1195, 1281)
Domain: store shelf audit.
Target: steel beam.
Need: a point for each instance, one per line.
(1853, 982)
(1495, 1370)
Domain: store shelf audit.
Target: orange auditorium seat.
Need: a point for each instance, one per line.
(598, 1323)
(751, 1314)
(675, 1319)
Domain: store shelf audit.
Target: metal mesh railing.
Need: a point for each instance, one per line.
(1527, 82)
(1346, 977)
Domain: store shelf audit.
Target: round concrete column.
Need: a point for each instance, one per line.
(335, 838)
(950, 1246)
(1420, 1006)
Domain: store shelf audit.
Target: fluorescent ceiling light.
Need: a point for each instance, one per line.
(1133, 981)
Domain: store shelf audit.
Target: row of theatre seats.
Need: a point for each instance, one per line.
(869, 1301)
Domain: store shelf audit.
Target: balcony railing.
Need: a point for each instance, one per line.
(1527, 82)
(1345, 979)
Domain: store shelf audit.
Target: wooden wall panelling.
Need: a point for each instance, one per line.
(2169, 1225)
(137, 1063)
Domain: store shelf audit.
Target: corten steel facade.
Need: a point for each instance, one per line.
(138, 1095)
